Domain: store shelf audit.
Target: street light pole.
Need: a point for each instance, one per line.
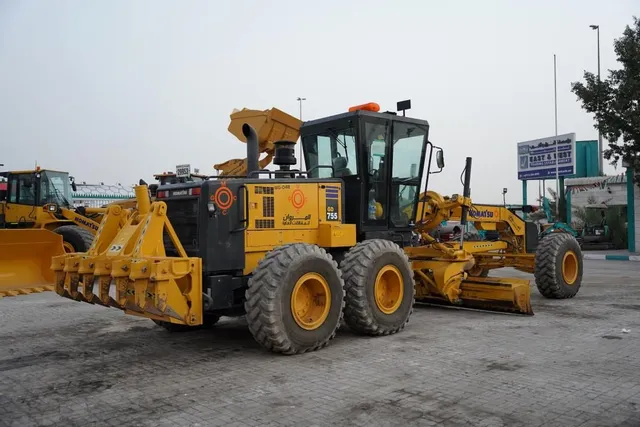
(555, 101)
(600, 151)
(300, 148)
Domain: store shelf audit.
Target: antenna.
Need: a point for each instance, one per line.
(403, 106)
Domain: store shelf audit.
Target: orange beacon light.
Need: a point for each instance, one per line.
(371, 106)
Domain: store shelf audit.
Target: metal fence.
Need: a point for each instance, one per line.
(98, 195)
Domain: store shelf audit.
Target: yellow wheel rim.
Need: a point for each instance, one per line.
(68, 247)
(310, 301)
(570, 267)
(388, 289)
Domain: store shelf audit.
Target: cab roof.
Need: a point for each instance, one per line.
(6, 173)
(364, 113)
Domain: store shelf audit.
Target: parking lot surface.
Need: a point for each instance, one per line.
(574, 363)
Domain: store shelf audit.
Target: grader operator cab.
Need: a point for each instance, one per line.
(298, 251)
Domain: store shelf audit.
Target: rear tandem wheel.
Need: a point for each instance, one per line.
(379, 286)
(294, 299)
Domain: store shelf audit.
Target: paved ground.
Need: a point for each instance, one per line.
(71, 364)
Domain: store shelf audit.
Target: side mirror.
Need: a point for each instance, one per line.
(440, 158)
(73, 184)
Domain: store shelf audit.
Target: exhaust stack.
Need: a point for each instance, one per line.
(253, 151)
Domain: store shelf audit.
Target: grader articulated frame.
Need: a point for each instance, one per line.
(299, 251)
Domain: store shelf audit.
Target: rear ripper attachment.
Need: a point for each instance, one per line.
(127, 267)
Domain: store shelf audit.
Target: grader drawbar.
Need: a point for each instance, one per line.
(299, 251)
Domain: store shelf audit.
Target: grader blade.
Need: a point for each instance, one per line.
(509, 295)
(25, 256)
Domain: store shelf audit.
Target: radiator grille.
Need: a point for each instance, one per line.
(264, 190)
(183, 215)
(265, 223)
(268, 206)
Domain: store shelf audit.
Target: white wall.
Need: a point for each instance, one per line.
(612, 195)
(617, 196)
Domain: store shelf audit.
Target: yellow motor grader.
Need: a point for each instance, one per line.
(298, 251)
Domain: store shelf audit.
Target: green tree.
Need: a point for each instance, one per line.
(615, 101)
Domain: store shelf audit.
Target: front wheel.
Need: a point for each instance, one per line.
(558, 266)
(75, 238)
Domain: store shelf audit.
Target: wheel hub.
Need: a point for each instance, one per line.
(388, 289)
(570, 267)
(310, 301)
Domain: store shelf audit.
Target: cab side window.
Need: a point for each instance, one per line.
(377, 138)
(13, 190)
(27, 190)
(22, 189)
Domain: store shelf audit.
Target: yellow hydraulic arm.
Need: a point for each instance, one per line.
(490, 217)
(77, 218)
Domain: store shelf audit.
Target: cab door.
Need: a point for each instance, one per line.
(21, 210)
(376, 143)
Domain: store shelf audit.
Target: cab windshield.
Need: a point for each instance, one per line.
(55, 188)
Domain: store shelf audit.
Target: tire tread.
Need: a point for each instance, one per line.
(355, 266)
(261, 298)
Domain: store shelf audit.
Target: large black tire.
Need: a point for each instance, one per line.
(78, 237)
(558, 266)
(360, 269)
(269, 294)
(208, 322)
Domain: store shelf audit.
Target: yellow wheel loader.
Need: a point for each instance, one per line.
(38, 221)
(298, 251)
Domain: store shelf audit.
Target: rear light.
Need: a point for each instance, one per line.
(162, 194)
(194, 191)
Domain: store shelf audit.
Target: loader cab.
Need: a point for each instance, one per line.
(381, 159)
(38, 188)
(26, 191)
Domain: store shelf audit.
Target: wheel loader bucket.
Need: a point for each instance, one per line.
(25, 260)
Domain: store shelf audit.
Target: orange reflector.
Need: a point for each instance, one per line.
(371, 106)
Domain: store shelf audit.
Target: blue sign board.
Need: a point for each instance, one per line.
(539, 158)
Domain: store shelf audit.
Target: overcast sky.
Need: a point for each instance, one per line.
(118, 90)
